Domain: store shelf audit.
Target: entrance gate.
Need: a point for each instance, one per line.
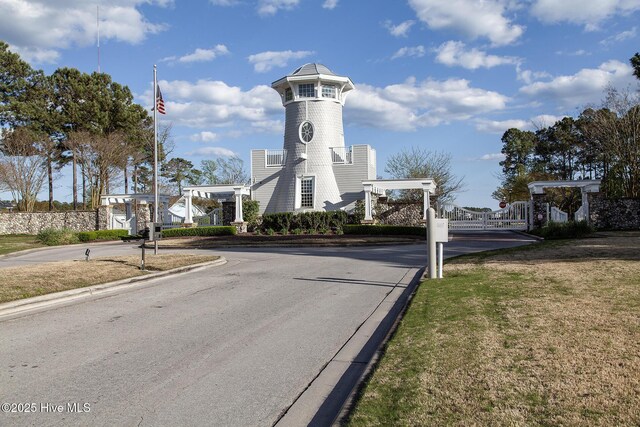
(514, 217)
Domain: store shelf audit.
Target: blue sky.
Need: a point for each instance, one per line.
(444, 75)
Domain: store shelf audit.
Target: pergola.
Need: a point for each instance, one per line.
(224, 191)
(586, 186)
(138, 198)
(378, 187)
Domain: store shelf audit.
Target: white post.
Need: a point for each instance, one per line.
(425, 203)
(431, 242)
(368, 188)
(238, 191)
(188, 217)
(440, 258)
(155, 153)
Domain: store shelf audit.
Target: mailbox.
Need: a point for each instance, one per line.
(157, 230)
(442, 230)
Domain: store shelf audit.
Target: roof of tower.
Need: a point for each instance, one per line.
(312, 69)
(312, 72)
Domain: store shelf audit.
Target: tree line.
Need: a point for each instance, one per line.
(90, 122)
(601, 143)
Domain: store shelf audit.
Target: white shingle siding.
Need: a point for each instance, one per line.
(336, 186)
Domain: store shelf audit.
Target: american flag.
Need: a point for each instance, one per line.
(159, 101)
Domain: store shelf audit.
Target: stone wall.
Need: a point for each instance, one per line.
(34, 222)
(618, 214)
(399, 213)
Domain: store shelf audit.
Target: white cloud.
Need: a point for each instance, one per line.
(410, 105)
(492, 157)
(41, 27)
(207, 103)
(36, 55)
(586, 86)
(265, 61)
(587, 13)
(620, 37)
(471, 18)
(453, 53)
(330, 4)
(204, 55)
(400, 30)
(417, 51)
(528, 76)
(211, 151)
(271, 7)
(500, 127)
(205, 136)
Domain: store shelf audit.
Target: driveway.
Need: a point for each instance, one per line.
(230, 345)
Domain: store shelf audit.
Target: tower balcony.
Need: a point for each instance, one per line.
(342, 155)
(275, 157)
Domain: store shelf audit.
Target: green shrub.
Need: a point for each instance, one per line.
(89, 236)
(310, 221)
(567, 230)
(385, 230)
(53, 237)
(250, 211)
(297, 231)
(216, 230)
(269, 232)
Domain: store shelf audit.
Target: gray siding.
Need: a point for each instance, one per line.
(350, 176)
(263, 179)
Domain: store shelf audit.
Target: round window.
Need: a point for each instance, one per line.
(306, 132)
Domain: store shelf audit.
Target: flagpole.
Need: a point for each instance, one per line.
(155, 156)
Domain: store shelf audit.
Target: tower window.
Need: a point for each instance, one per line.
(306, 192)
(328, 91)
(306, 90)
(288, 94)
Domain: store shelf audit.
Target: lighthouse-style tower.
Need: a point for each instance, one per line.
(313, 97)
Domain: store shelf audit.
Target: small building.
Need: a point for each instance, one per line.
(314, 170)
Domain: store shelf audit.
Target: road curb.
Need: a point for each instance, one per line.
(27, 305)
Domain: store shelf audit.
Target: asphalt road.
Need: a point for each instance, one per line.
(230, 345)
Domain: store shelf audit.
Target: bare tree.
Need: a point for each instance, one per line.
(22, 167)
(617, 127)
(421, 163)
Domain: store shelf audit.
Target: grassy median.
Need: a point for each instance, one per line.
(18, 242)
(40, 279)
(542, 335)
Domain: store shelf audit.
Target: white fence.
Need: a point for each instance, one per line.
(513, 217)
(556, 215)
(276, 157)
(342, 155)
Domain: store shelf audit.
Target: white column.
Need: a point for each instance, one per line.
(188, 219)
(165, 211)
(425, 203)
(238, 191)
(368, 188)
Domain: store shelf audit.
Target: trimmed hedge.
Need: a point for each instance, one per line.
(567, 230)
(385, 230)
(89, 236)
(311, 221)
(55, 237)
(217, 230)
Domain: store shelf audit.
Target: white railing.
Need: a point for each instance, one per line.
(513, 217)
(556, 215)
(342, 155)
(581, 214)
(276, 157)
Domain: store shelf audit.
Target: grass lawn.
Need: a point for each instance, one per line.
(541, 335)
(17, 242)
(40, 279)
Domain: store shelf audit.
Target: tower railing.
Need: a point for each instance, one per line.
(276, 157)
(342, 155)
